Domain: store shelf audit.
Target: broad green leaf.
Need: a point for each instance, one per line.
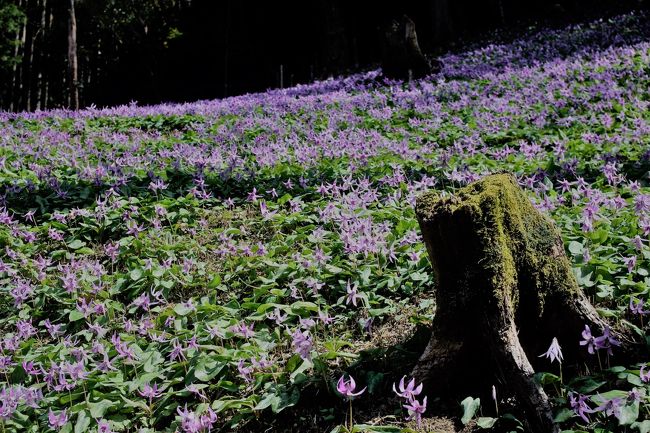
(486, 422)
(470, 406)
(576, 248)
(83, 422)
(136, 274)
(76, 244)
(628, 413)
(563, 415)
(643, 427)
(98, 410)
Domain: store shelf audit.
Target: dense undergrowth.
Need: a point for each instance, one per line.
(219, 265)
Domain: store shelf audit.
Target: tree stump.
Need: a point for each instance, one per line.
(504, 289)
(402, 57)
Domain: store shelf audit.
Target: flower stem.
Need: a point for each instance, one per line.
(350, 415)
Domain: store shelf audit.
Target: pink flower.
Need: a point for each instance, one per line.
(347, 387)
(103, 427)
(150, 392)
(416, 409)
(409, 391)
(352, 294)
(56, 421)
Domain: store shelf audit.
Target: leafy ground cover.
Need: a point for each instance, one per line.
(227, 265)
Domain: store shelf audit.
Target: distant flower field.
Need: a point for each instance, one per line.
(222, 265)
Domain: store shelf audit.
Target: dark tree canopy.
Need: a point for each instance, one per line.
(178, 50)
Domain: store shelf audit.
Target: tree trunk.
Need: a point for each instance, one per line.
(442, 21)
(15, 71)
(73, 62)
(504, 289)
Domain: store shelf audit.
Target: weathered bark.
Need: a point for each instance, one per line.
(504, 289)
(402, 57)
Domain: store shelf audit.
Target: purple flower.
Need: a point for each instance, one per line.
(352, 294)
(253, 196)
(409, 391)
(302, 343)
(579, 406)
(347, 387)
(637, 307)
(588, 340)
(634, 396)
(606, 341)
(150, 392)
(416, 409)
(244, 372)
(325, 318)
(611, 406)
(191, 422)
(243, 330)
(178, 351)
(554, 352)
(56, 421)
(643, 375)
(630, 262)
(103, 426)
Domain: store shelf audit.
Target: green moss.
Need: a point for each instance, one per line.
(518, 244)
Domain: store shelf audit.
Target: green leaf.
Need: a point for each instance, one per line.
(133, 403)
(486, 422)
(207, 369)
(267, 401)
(575, 248)
(83, 422)
(75, 315)
(97, 410)
(303, 306)
(136, 274)
(306, 365)
(76, 244)
(470, 406)
(182, 309)
(374, 381)
(216, 282)
(643, 427)
(152, 358)
(546, 378)
(628, 414)
(587, 385)
(563, 415)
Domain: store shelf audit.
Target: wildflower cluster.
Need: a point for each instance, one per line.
(409, 392)
(186, 267)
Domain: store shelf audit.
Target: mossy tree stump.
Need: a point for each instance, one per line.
(504, 289)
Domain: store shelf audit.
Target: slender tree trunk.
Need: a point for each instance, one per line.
(47, 67)
(14, 69)
(73, 60)
(41, 55)
(28, 57)
(19, 66)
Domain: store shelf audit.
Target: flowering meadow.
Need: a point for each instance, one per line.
(254, 263)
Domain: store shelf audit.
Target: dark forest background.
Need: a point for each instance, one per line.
(74, 53)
